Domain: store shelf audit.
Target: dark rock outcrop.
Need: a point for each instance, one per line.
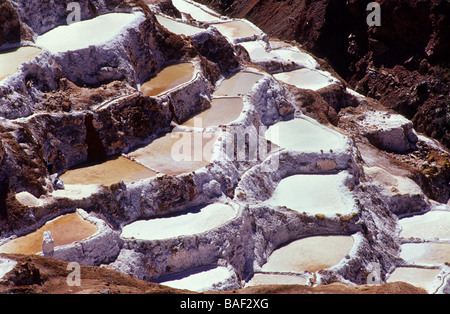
(9, 24)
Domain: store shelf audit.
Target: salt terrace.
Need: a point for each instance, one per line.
(214, 223)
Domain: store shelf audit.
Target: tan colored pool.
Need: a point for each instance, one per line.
(236, 29)
(178, 27)
(177, 152)
(222, 111)
(238, 84)
(168, 78)
(261, 279)
(309, 254)
(111, 171)
(419, 277)
(10, 60)
(65, 230)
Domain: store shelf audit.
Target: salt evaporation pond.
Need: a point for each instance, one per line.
(306, 78)
(257, 50)
(236, 29)
(238, 84)
(65, 229)
(222, 111)
(297, 56)
(304, 135)
(178, 27)
(309, 254)
(419, 277)
(86, 33)
(168, 78)
(313, 194)
(107, 172)
(434, 224)
(10, 60)
(177, 152)
(277, 44)
(200, 279)
(426, 253)
(196, 12)
(262, 279)
(196, 221)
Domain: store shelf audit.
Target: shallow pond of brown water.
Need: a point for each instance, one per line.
(177, 152)
(236, 29)
(10, 60)
(108, 172)
(168, 78)
(238, 84)
(222, 111)
(65, 230)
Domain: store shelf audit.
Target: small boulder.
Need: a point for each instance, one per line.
(389, 132)
(403, 195)
(48, 244)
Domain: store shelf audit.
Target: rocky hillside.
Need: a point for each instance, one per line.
(180, 146)
(404, 63)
